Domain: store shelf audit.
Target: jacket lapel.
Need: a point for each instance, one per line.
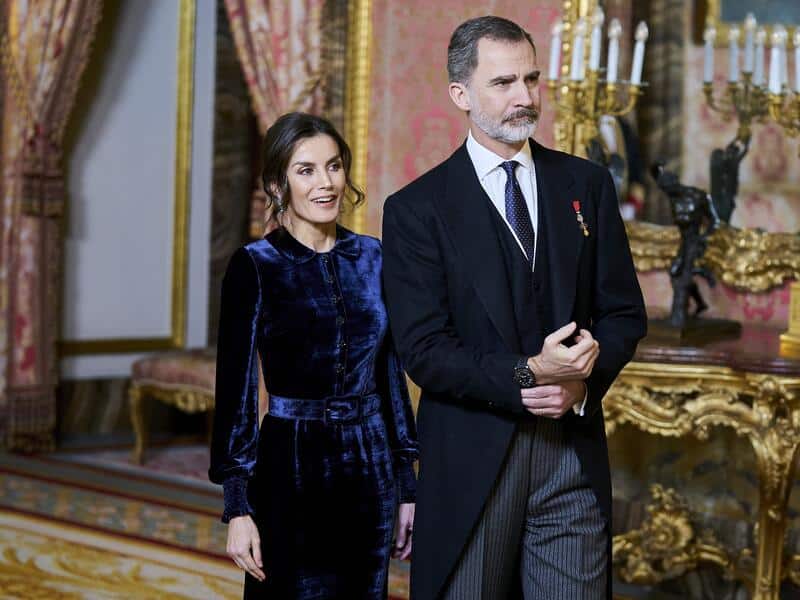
(465, 208)
(564, 238)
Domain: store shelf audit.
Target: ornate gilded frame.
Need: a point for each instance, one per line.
(356, 117)
(183, 160)
(746, 259)
(712, 16)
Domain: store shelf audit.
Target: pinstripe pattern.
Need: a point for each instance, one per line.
(543, 517)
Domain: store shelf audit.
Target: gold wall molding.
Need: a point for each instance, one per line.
(181, 193)
(653, 246)
(681, 400)
(357, 92)
(753, 260)
(746, 259)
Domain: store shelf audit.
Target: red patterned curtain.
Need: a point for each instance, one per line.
(44, 47)
(279, 44)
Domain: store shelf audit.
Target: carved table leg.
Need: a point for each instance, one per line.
(775, 444)
(137, 419)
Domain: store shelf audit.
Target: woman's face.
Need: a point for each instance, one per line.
(316, 180)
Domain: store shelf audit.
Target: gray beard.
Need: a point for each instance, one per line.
(502, 132)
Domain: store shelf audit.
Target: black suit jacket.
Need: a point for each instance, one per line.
(452, 318)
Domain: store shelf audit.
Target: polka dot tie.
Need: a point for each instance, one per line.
(517, 210)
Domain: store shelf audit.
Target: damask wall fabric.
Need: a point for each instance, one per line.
(44, 49)
(413, 124)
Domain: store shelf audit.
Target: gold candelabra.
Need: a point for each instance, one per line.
(583, 92)
(747, 102)
(784, 106)
(754, 98)
(750, 97)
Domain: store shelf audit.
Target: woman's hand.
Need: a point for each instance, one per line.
(403, 531)
(244, 545)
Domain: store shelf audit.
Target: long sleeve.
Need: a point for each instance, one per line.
(399, 419)
(619, 319)
(437, 359)
(235, 435)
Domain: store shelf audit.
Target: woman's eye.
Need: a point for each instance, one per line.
(305, 171)
(336, 166)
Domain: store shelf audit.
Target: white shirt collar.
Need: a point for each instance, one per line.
(486, 161)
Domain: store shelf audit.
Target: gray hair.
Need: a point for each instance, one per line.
(462, 52)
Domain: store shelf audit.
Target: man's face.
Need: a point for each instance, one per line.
(503, 93)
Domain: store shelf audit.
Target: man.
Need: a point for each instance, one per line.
(514, 303)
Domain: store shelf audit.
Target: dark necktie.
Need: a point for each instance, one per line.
(517, 211)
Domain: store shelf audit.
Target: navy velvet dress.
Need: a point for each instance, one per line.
(322, 491)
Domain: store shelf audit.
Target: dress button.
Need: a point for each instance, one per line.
(339, 368)
(342, 345)
(336, 298)
(340, 320)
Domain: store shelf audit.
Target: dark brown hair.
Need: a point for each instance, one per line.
(279, 145)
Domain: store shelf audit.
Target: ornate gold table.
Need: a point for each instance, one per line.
(743, 384)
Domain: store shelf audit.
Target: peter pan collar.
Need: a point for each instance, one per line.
(347, 244)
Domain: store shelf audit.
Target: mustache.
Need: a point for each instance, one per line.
(524, 113)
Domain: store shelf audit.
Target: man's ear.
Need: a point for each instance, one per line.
(459, 96)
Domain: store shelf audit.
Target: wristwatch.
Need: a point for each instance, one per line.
(523, 376)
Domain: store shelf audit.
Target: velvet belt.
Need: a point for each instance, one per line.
(339, 409)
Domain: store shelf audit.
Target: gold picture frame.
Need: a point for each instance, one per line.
(183, 160)
(709, 12)
(357, 90)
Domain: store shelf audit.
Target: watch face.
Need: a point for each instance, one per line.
(524, 377)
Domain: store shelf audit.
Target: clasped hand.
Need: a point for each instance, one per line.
(560, 372)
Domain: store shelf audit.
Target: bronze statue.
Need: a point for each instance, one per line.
(696, 217)
(724, 167)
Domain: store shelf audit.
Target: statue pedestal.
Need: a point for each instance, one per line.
(695, 331)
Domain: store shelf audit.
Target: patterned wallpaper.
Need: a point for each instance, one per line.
(413, 123)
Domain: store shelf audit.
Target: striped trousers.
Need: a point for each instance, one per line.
(541, 535)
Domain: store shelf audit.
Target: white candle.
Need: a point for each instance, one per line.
(709, 36)
(796, 40)
(775, 63)
(576, 68)
(555, 51)
(597, 39)
(761, 38)
(733, 54)
(614, 33)
(749, 33)
(638, 54)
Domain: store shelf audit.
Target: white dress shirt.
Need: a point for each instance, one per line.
(493, 177)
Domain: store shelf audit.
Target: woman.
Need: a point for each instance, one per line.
(311, 496)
